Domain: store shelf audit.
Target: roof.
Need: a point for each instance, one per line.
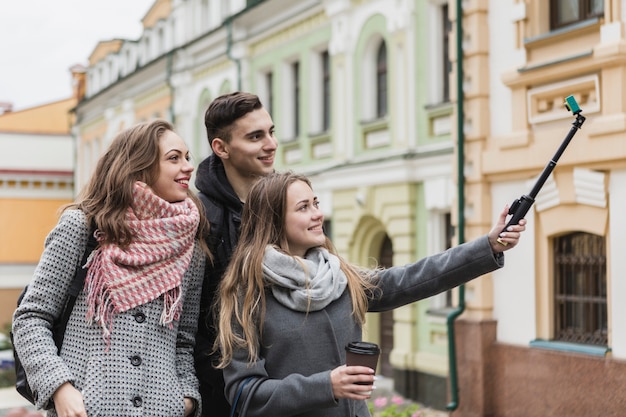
(51, 118)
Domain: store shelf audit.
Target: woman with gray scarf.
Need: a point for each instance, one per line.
(289, 304)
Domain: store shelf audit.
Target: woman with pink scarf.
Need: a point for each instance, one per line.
(128, 346)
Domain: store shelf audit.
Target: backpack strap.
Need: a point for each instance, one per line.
(75, 288)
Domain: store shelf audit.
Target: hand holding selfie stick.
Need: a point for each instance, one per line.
(520, 207)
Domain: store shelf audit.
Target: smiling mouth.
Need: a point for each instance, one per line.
(183, 182)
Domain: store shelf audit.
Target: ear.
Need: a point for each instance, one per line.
(220, 148)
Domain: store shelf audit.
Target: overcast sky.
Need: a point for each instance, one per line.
(41, 39)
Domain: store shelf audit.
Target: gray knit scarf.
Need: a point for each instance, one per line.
(304, 284)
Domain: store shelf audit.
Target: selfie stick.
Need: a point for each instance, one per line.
(520, 207)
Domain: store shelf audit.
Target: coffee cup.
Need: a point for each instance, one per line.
(362, 354)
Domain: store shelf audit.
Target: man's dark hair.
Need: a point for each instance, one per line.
(225, 110)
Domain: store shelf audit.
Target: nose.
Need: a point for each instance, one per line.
(271, 143)
(187, 166)
(317, 213)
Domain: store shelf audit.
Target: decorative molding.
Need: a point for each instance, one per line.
(546, 103)
(152, 96)
(590, 187)
(293, 156)
(288, 34)
(322, 150)
(377, 138)
(206, 72)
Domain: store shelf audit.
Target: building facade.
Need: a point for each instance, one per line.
(36, 179)
(366, 102)
(551, 332)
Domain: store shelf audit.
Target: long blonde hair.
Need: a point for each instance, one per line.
(242, 290)
(132, 156)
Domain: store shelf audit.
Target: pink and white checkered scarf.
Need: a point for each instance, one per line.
(152, 265)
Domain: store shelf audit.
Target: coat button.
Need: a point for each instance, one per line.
(140, 317)
(137, 401)
(135, 360)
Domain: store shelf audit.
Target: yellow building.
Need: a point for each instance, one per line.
(36, 179)
(545, 336)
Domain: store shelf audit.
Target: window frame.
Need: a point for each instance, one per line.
(579, 299)
(295, 96)
(326, 91)
(584, 13)
(382, 80)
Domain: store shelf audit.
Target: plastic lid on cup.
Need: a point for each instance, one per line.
(363, 348)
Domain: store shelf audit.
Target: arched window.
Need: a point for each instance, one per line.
(580, 289)
(381, 81)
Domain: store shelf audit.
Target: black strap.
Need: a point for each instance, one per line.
(75, 287)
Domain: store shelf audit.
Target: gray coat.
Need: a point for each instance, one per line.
(299, 350)
(148, 369)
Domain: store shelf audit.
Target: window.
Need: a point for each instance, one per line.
(326, 88)
(449, 235)
(205, 15)
(224, 9)
(295, 75)
(446, 66)
(441, 233)
(381, 81)
(328, 228)
(269, 90)
(566, 12)
(580, 290)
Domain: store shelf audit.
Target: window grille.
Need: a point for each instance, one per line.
(580, 289)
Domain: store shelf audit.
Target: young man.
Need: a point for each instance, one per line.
(241, 134)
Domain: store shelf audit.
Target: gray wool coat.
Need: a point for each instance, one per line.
(299, 350)
(148, 369)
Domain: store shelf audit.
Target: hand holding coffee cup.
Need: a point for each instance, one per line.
(362, 354)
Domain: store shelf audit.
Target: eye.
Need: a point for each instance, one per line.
(316, 204)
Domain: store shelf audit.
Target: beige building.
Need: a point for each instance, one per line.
(546, 335)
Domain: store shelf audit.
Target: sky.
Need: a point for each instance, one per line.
(41, 39)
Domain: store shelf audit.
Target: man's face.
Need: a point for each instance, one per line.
(252, 145)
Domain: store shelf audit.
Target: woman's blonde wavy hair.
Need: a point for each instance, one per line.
(241, 309)
(133, 155)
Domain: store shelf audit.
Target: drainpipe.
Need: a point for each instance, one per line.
(454, 390)
(229, 46)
